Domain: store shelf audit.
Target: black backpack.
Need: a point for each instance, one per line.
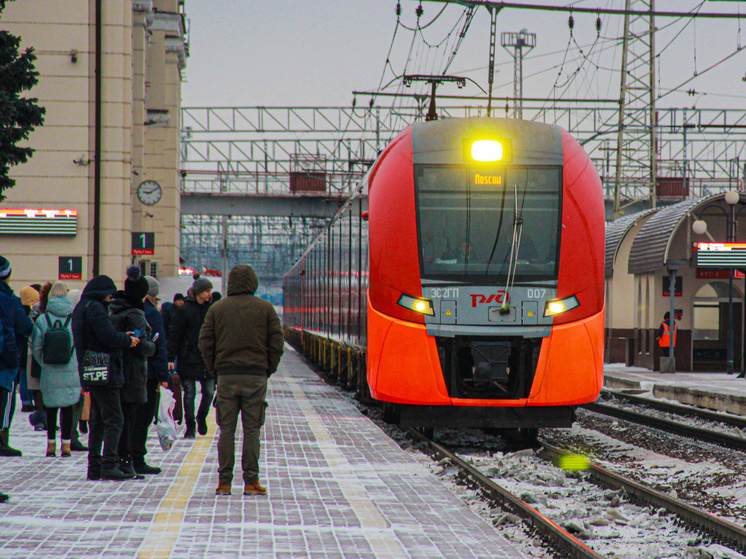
(58, 343)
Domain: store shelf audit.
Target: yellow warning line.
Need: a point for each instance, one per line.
(167, 522)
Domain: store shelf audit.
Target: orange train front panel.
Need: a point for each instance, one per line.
(404, 367)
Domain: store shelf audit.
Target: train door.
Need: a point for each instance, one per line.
(710, 327)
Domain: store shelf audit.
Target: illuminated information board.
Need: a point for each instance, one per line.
(721, 255)
(38, 222)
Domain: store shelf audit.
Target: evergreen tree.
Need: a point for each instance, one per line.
(18, 115)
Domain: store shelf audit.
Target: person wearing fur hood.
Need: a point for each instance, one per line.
(127, 312)
(60, 383)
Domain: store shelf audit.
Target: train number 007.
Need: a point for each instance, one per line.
(536, 293)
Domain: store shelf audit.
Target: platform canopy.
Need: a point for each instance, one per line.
(652, 245)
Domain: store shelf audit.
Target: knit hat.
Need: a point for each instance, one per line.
(135, 286)
(153, 286)
(5, 269)
(178, 297)
(200, 285)
(74, 295)
(29, 296)
(59, 289)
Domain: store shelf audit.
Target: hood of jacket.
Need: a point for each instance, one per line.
(120, 302)
(242, 279)
(99, 288)
(5, 288)
(60, 306)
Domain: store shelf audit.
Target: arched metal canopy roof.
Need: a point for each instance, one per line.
(615, 233)
(650, 247)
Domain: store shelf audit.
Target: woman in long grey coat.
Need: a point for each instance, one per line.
(60, 384)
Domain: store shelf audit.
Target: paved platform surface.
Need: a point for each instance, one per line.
(338, 487)
(717, 391)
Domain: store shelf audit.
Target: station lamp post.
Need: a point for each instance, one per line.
(733, 199)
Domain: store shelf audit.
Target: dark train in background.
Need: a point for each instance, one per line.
(462, 284)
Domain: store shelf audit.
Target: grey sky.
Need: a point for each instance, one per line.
(309, 53)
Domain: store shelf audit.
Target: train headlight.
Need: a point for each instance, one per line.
(422, 306)
(486, 150)
(559, 306)
(478, 150)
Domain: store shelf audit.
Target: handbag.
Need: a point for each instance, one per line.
(96, 368)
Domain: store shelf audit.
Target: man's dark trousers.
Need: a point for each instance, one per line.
(143, 418)
(189, 387)
(105, 428)
(244, 393)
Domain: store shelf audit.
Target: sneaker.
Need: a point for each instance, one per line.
(202, 425)
(94, 475)
(223, 489)
(4, 497)
(190, 435)
(143, 468)
(254, 489)
(83, 426)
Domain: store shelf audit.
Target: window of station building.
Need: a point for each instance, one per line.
(472, 219)
(706, 321)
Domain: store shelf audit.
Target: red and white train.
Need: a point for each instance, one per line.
(462, 284)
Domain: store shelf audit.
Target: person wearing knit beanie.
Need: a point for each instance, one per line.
(5, 269)
(201, 285)
(182, 341)
(136, 287)
(154, 288)
(29, 296)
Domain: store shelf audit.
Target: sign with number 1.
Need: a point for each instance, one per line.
(143, 243)
(70, 268)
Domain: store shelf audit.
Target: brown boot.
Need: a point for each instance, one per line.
(66, 451)
(51, 448)
(254, 489)
(223, 489)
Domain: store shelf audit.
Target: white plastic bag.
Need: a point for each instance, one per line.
(166, 426)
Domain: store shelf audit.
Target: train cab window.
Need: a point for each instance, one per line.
(477, 222)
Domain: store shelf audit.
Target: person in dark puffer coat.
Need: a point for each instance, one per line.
(184, 355)
(157, 376)
(94, 331)
(128, 315)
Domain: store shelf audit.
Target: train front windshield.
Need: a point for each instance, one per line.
(479, 224)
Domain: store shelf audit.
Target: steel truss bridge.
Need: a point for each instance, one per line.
(258, 183)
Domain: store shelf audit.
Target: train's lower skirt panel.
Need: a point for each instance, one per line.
(489, 417)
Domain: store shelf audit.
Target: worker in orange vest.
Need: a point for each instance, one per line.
(664, 332)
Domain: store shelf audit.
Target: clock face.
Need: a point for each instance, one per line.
(149, 192)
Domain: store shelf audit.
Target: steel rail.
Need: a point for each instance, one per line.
(723, 529)
(680, 409)
(705, 435)
(563, 540)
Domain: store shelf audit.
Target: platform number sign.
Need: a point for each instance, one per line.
(70, 268)
(143, 243)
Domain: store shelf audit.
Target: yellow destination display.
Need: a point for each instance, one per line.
(494, 180)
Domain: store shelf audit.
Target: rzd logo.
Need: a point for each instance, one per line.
(500, 297)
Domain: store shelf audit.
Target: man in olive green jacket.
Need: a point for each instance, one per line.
(241, 342)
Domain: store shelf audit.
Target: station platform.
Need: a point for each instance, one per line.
(337, 487)
(715, 391)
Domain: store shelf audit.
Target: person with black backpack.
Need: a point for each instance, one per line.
(52, 346)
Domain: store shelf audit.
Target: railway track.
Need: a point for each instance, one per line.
(697, 433)
(678, 409)
(561, 539)
(720, 530)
